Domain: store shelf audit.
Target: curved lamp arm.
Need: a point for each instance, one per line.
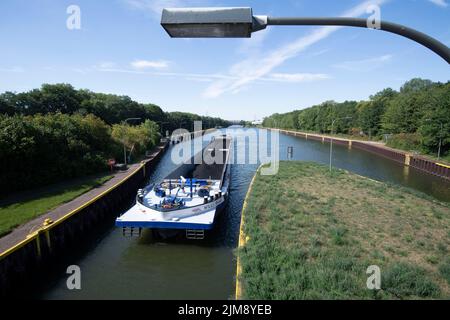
(260, 22)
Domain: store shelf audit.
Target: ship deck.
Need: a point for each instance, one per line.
(193, 213)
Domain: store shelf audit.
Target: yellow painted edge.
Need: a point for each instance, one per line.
(242, 237)
(65, 217)
(443, 165)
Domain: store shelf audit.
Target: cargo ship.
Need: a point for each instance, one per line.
(187, 201)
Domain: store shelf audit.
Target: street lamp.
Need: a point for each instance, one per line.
(331, 137)
(124, 146)
(241, 23)
(440, 137)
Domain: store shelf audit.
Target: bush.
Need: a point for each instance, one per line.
(405, 141)
(43, 149)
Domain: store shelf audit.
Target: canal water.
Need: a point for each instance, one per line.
(115, 267)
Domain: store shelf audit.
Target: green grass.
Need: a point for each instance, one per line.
(21, 208)
(313, 234)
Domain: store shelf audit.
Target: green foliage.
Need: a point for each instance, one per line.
(370, 112)
(444, 269)
(112, 109)
(418, 114)
(57, 132)
(406, 280)
(186, 120)
(405, 141)
(43, 149)
(317, 118)
(137, 138)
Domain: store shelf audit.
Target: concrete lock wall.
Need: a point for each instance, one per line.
(432, 167)
(29, 259)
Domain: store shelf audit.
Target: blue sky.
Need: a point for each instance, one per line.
(122, 49)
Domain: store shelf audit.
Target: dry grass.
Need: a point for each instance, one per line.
(313, 234)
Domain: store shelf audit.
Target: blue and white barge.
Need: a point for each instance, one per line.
(188, 200)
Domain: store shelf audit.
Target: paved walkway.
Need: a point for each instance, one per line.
(20, 233)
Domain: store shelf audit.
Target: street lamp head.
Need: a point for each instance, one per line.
(211, 22)
(132, 119)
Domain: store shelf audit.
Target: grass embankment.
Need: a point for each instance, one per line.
(21, 208)
(312, 235)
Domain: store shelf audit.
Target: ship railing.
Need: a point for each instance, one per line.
(187, 183)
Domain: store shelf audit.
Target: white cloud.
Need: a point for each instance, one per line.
(198, 79)
(210, 77)
(106, 65)
(156, 6)
(253, 69)
(253, 45)
(440, 3)
(297, 77)
(365, 64)
(146, 64)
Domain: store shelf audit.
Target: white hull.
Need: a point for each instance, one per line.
(185, 203)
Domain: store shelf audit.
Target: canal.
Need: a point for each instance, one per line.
(115, 267)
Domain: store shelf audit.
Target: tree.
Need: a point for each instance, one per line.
(60, 98)
(415, 84)
(7, 103)
(371, 112)
(136, 139)
(404, 111)
(413, 115)
(435, 124)
(42, 149)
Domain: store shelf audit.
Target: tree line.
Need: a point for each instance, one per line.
(56, 132)
(414, 118)
(112, 109)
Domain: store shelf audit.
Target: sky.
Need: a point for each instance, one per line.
(121, 48)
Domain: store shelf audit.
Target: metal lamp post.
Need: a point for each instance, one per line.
(124, 146)
(331, 138)
(241, 23)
